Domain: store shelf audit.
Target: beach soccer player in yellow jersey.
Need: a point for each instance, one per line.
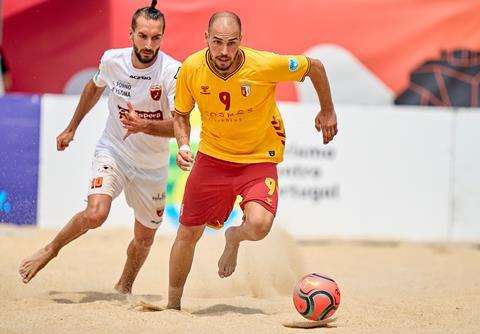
(242, 139)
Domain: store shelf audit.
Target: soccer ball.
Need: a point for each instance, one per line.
(316, 296)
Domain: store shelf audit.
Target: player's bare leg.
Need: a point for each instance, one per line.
(181, 258)
(93, 216)
(137, 253)
(255, 226)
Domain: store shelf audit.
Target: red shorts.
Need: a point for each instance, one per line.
(213, 185)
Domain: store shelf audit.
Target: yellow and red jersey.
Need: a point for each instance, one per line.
(240, 118)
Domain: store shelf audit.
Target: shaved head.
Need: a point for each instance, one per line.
(227, 17)
(223, 39)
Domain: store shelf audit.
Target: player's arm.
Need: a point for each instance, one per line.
(134, 124)
(326, 119)
(184, 103)
(182, 128)
(90, 96)
(163, 128)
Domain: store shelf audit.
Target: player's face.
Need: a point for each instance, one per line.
(146, 39)
(223, 41)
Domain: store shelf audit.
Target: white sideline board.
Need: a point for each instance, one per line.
(397, 173)
(389, 174)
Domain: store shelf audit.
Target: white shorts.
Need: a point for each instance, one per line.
(144, 189)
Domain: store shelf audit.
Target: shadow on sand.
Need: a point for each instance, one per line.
(221, 309)
(81, 297)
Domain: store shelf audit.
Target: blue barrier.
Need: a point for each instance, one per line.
(19, 158)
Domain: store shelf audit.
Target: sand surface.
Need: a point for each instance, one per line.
(386, 287)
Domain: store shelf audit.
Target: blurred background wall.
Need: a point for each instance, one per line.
(50, 42)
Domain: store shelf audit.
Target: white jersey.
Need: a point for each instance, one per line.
(151, 92)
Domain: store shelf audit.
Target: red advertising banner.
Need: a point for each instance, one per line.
(48, 42)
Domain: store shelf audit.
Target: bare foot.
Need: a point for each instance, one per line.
(174, 298)
(173, 307)
(228, 260)
(30, 266)
(123, 289)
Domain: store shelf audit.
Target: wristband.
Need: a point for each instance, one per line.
(185, 148)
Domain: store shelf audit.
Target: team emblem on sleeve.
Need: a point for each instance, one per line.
(245, 89)
(292, 64)
(155, 92)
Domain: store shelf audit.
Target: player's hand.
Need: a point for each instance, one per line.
(132, 122)
(64, 139)
(326, 122)
(185, 159)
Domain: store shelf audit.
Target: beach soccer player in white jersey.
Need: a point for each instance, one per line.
(132, 154)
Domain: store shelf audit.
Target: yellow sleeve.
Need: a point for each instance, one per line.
(280, 68)
(184, 101)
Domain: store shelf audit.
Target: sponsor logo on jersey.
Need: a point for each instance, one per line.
(245, 87)
(205, 89)
(155, 115)
(269, 201)
(292, 64)
(156, 92)
(158, 197)
(271, 153)
(158, 115)
(121, 88)
(229, 116)
(140, 77)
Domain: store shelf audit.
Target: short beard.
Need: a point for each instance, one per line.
(139, 55)
(228, 67)
(223, 69)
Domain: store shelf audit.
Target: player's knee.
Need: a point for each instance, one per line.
(260, 231)
(94, 218)
(259, 226)
(144, 242)
(188, 234)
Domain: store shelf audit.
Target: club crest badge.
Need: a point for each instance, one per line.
(245, 89)
(159, 211)
(156, 92)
